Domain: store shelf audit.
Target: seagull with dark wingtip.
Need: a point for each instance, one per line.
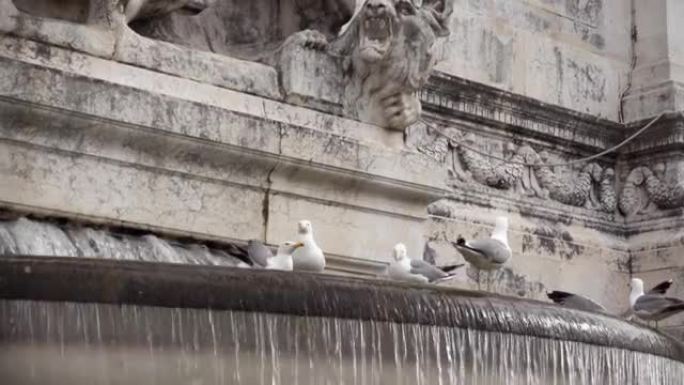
(652, 307)
(580, 302)
(575, 301)
(262, 256)
(487, 254)
(404, 268)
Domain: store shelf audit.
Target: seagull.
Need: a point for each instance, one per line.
(258, 253)
(652, 307)
(283, 257)
(487, 254)
(310, 257)
(414, 270)
(580, 302)
(575, 301)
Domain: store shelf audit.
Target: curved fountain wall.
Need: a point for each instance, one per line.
(67, 320)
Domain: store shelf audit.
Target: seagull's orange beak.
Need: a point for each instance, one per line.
(298, 244)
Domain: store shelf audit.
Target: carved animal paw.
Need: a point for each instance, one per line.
(400, 110)
(309, 38)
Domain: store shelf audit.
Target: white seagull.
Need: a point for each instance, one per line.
(262, 256)
(309, 257)
(652, 307)
(413, 270)
(487, 254)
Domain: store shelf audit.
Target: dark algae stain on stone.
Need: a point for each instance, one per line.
(549, 241)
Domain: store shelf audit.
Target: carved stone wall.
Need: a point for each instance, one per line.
(114, 114)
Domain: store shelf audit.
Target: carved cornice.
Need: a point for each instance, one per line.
(451, 96)
(641, 181)
(666, 135)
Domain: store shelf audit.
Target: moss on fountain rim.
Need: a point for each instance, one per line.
(316, 295)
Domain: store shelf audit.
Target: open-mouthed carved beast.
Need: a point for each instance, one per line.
(390, 44)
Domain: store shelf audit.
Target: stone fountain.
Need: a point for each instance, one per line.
(143, 142)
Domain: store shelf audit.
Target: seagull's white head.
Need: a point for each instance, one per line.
(304, 227)
(500, 232)
(399, 251)
(637, 290)
(287, 248)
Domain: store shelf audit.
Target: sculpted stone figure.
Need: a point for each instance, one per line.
(389, 49)
(93, 11)
(251, 30)
(243, 29)
(97, 27)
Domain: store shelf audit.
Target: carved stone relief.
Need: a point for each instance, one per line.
(590, 185)
(251, 30)
(98, 11)
(649, 188)
(470, 165)
(243, 29)
(389, 55)
(380, 62)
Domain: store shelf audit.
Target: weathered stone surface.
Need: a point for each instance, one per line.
(657, 81)
(146, 150)
(575, 54)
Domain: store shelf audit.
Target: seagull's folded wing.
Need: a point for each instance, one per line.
(651, 303)
(575, 301)
(431, 272)
(259, 253)
(493, 250)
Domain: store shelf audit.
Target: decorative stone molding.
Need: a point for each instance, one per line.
(495, 173)
(648, 188)
(591, 186)
(453, 98)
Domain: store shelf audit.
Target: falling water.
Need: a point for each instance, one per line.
(28, 237)
(120, 321)
(67, 343)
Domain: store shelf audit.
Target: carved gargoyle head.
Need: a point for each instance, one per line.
(390, 46)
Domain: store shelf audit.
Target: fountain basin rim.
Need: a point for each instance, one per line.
(69, 279)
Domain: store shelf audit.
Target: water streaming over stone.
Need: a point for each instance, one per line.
(186, 319)
(29, 237)
(73, 343)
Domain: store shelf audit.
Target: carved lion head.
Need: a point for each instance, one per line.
(390, 44)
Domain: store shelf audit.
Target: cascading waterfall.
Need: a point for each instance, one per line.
(103, 343)
(186, 318)
(28, 237)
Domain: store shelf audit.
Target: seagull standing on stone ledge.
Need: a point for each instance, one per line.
(487, 254)
(415, 270)
(262, 256)
(652, 307)
(283, 259)
(309, 257)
